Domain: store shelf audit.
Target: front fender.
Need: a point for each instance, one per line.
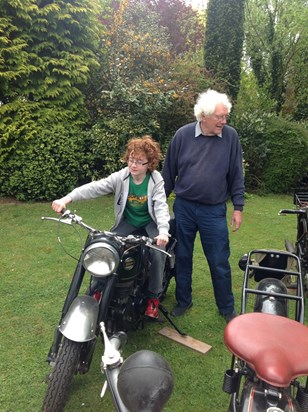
(79, 323)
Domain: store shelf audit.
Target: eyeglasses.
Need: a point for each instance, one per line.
(137, 162)
(221, 117)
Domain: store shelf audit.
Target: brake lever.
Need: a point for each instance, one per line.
(151, 246)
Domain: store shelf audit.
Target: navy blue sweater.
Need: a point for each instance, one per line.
(205, 169)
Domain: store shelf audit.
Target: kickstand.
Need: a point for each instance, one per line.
(166, 314)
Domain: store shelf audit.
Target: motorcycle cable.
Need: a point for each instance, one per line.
(59, 238)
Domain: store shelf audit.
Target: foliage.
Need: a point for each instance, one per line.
(21, 122)
(47, 49)
(252, 96)
(104, 145)
(137, 75)
(131, 78)
(251, 127)
(223, 45)
(275, 151)
(288, 157)
(298, 86)
(185, 26)
(45, 166)
(187, 88)
(276, 41)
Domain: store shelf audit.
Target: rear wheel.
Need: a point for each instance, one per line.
(61, 377)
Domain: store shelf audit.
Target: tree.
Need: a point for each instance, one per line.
(276, 43)
(135, 67)
(224, 35)
(185, 26)
(47, 50)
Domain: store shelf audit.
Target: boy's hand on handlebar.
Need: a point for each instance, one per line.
(161, 240)
(59, 205)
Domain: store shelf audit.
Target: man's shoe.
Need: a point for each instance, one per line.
(229, 316)
(152, 308)
(180, 310)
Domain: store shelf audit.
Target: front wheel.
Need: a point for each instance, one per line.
(61, 377)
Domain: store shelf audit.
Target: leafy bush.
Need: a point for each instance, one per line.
(251, 127)
(45, 167)
(287, 160)
(105, 143)
(275, 151)
(103, 147)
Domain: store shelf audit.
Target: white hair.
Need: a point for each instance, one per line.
(207, 102)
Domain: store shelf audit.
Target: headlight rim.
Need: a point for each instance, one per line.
(101, 246)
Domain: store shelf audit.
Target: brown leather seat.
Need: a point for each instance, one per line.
(275, 347)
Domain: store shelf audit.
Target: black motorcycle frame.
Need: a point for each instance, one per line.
(264, 274)
(119, 298)
(300, 246)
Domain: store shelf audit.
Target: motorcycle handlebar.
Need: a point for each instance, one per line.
(69, 218)
(118, 340)
(283, 212)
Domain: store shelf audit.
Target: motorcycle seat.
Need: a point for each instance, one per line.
(275, 347)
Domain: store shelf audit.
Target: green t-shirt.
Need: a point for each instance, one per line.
(136, 210)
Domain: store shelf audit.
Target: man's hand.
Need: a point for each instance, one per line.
(236, 220)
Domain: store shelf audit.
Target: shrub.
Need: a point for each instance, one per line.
(275, 151)
(105, 143)
(45, 167)
(287, 160)
(251, 127)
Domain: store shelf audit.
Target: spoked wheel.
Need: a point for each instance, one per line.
(61, 377)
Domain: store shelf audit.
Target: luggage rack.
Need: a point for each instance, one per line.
(301, 198)
(265, 263)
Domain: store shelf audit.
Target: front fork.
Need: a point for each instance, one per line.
(88, 347)
(71, 295)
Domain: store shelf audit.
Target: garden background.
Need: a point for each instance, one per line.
(79, 78)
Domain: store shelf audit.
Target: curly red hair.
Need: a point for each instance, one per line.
(145, 145)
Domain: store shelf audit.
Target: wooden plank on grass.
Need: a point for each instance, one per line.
(185, 340)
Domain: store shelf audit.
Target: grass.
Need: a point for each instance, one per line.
(35, 274)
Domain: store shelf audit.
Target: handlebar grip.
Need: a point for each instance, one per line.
(118, 340)
(289, 212)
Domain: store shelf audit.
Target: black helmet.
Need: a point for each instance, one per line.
(145, 382)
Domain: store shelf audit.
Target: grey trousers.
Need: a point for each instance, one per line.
(157, 258)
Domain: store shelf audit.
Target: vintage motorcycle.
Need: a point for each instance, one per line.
(300, 247)
(268, 341)
(143, 382)
(116, 294)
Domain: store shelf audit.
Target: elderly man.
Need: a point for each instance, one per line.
(203, 167)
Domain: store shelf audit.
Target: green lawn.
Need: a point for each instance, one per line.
(35, 275)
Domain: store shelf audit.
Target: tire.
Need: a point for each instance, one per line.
(61, 377)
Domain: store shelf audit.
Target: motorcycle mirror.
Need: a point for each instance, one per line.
(242, 263)
(145, 382)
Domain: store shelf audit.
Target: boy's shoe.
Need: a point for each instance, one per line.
(152, 308)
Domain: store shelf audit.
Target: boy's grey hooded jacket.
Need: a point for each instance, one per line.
(118, 184)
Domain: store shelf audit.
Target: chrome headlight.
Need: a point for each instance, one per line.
(101, 259)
